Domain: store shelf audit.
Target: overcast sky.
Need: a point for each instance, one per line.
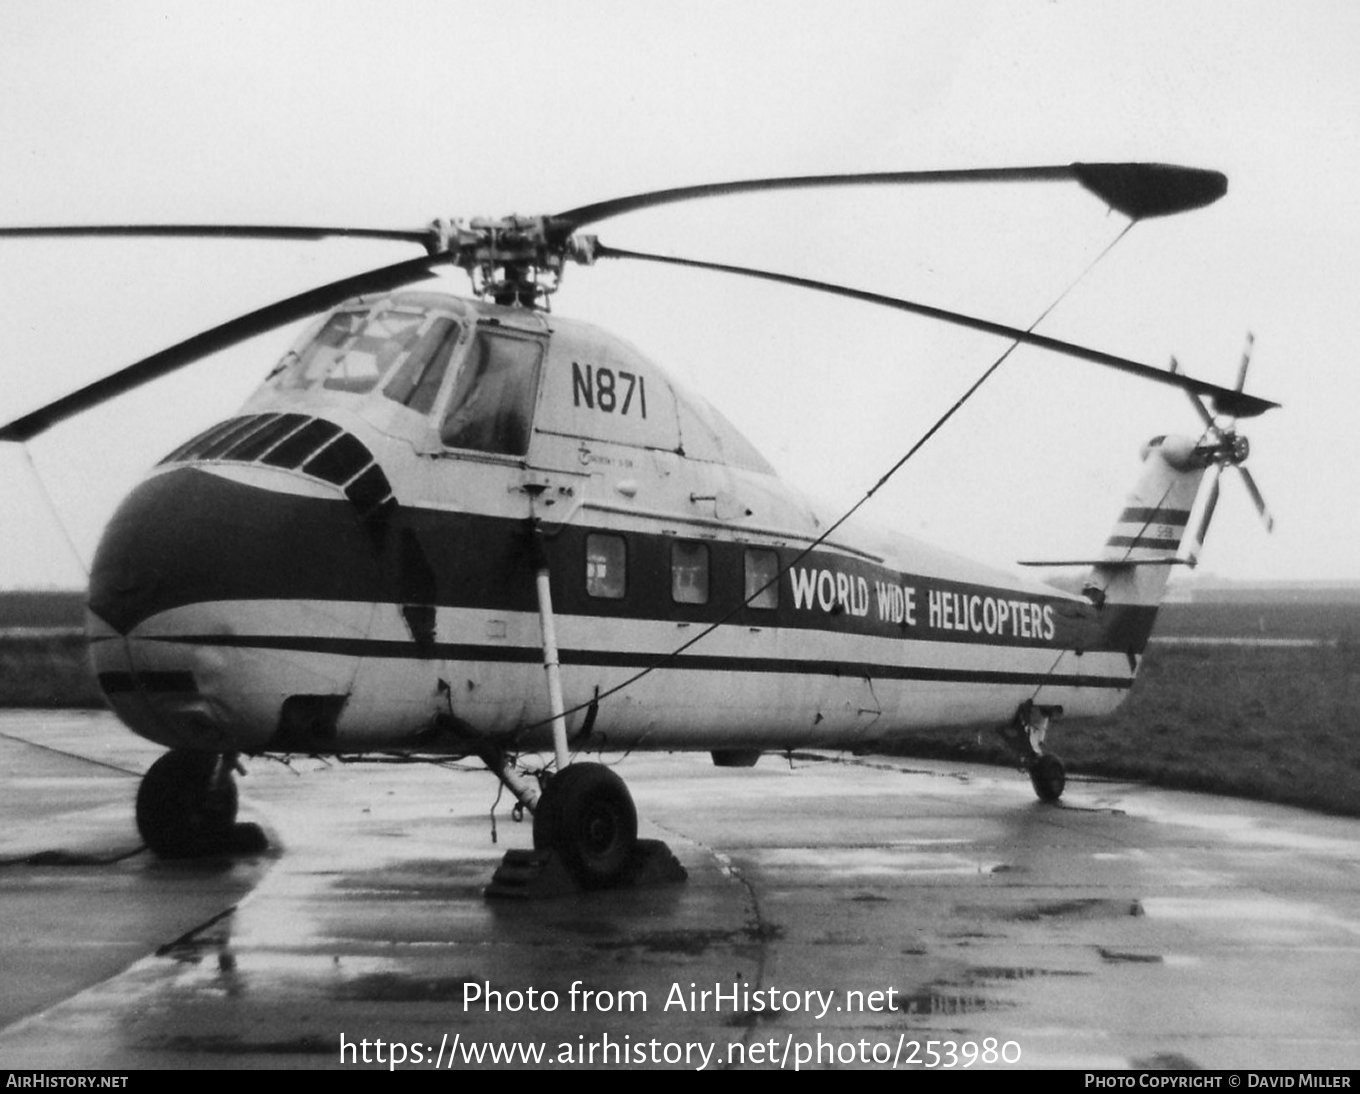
(389, 114)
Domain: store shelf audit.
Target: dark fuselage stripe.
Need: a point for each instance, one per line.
(1176, 518)
(188, 537)
(454, 651)
(1143, 541)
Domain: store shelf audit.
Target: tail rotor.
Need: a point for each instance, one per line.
(1222, 446)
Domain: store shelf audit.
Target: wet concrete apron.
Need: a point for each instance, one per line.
(1131, 927)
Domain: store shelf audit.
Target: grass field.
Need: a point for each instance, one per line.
(57, 608)
(1277, 723)
(40, 668)
(1334, 622)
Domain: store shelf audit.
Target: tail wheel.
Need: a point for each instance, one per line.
(186, 806)
(586, 816)
(1048, 776)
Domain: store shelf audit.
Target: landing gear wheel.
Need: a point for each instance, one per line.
(186, 806)
(586, 816)
(1048, 776)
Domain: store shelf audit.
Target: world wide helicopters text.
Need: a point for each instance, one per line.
(835, 592)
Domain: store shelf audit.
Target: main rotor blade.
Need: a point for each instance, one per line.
(1226, 399)
(1137, 190)
(218, 231)
(207, 342)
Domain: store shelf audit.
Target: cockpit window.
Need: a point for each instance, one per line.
(353, 350)
(416, 382)
(492, 405)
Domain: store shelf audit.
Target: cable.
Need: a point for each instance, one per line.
(665, 659)
(56, 513)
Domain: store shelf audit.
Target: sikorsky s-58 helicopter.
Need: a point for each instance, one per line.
(451, 526)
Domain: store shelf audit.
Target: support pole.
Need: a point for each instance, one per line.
(551, 664)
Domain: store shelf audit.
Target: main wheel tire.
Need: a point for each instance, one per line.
(183, 808)
(586, 816)
(1048, 776)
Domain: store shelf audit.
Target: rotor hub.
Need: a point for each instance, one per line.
(514, 260)
(1225, 447)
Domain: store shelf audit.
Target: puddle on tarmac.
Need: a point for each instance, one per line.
(747, 1018)
(1279, 828)
(1287, 917)
(985, 973)
(943, 1000)
(233, 1046)
(419, 879)
(1080, 908)
(1116, 957)
(894, 861)
(967, 994)
(1164, 1061)
(391, 987)
(693, 942)
(591, 928)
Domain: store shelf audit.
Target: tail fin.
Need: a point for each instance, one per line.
(1153, 526)
(1154, 532)
(1127, 582)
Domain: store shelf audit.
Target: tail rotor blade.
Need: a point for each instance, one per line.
(1246, 361)
(1207, 513)
(1195, 400)
(1201, 410)
(1257, 499)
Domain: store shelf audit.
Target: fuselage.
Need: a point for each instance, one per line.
(349, 565)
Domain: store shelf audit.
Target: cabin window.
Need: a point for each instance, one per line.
(353, 350)
(492, 405)
(762, 569)
(606, 566)
(689, 573)
(416, 381)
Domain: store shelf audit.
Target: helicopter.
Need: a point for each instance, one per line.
(465, 526)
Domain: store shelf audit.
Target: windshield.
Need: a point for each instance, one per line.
(416, 381)
(352, 350)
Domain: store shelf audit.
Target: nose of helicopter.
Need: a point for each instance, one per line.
(200, 590)
(185, 537)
